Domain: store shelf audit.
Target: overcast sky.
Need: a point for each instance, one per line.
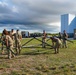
(34, 15)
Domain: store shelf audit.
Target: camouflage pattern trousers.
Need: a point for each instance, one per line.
(18, 46)
(43, 43)
(10, 52)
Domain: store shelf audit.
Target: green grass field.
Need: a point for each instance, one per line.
(40, 61)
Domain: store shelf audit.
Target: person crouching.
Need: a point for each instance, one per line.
(56, 43)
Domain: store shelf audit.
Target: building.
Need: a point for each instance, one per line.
(25, 34)
(68, 23)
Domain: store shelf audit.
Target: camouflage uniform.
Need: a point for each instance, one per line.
(2, 43)
(43, 39)
(18, 42)
(65, 36)
(9, 46)
(57, 44)
(12, 34)
(60, 37)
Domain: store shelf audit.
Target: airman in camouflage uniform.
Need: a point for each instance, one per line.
(43, 39)
(3, 41)
(9, 45)
(65, 36)
(12, 34)
(56, 43)
(18, 38)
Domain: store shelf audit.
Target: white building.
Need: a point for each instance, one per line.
(25, 34)
(68, 23)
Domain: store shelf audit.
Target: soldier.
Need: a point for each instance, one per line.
(56, 43)
(12, 34)
(65, 36)
(2, 41)
(9, 44)
(43, 39)
(60, 36)
(18, 38)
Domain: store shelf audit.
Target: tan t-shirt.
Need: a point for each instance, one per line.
(10, 41)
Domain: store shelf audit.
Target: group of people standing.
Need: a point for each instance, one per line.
(12, 40)
(57, 42)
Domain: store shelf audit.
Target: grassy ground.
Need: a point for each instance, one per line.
(40, 61)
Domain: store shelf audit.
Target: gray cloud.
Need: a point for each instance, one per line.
(34, 12)
(44, 10)
(31, 28)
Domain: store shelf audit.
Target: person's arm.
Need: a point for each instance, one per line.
(6, 41)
